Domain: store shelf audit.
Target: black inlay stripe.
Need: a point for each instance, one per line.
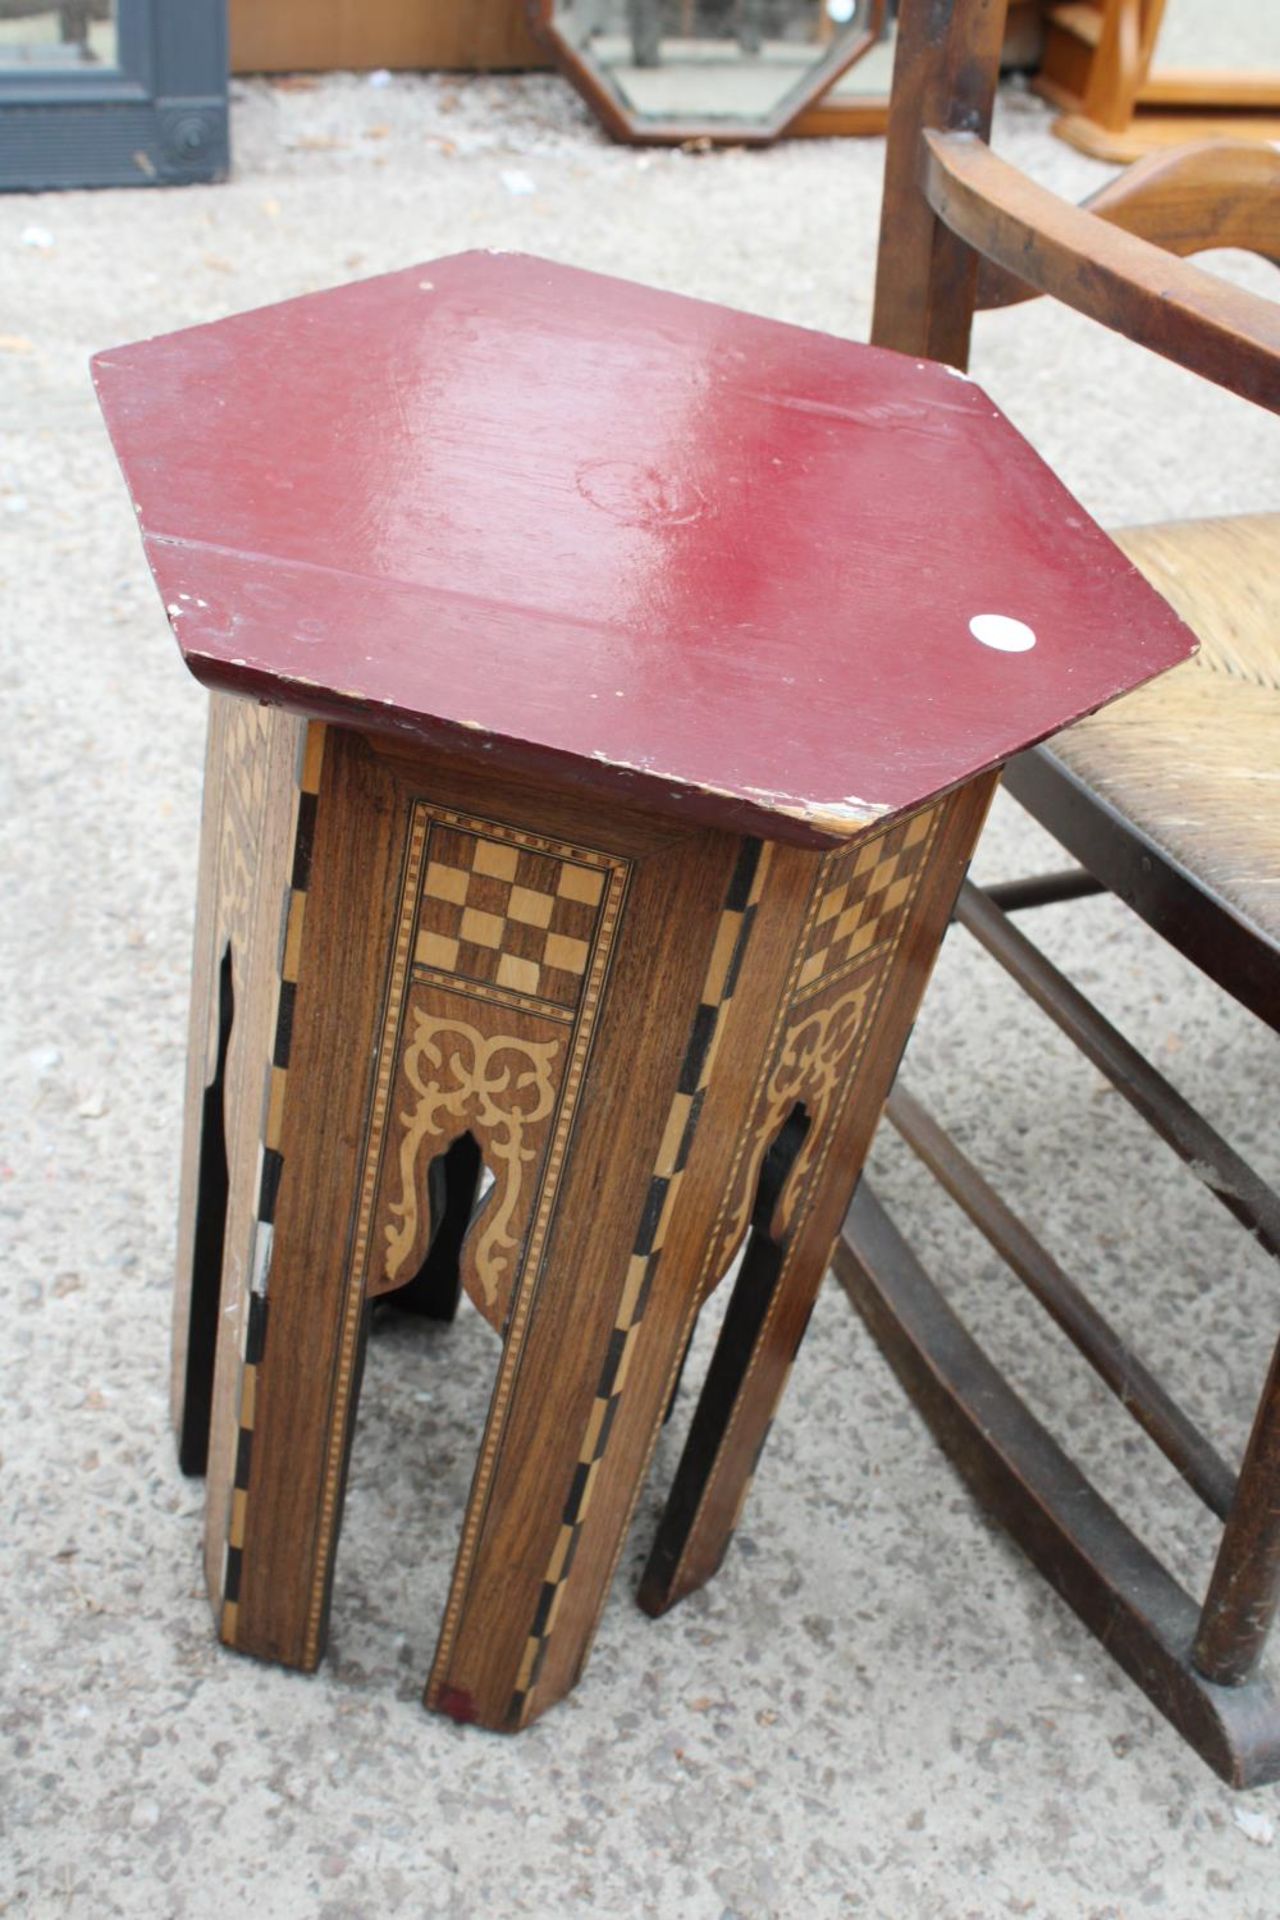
(577, 1488)
(284, 1024)
(704, 1026)
(272, 1168)
(255, 1338)
(231, 1582)
(546, 1599)
(743, 874)
(602, 1438)
(649, 1219)
(690, 1128)
(612, 1361)
(646, 1286)
(244, 1451)
(538, 1660)
(735, 958)
(304, 841)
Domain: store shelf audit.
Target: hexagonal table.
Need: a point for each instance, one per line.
(608, 691)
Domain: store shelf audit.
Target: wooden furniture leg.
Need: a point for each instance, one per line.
(874, 921)
(1244, 1591)
(629, 1182)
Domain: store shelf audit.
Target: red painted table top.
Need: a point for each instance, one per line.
(731, 569)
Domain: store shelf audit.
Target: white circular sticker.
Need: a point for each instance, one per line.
(999, 631)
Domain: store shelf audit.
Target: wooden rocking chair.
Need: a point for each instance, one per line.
(962, 230)
(1146, 819)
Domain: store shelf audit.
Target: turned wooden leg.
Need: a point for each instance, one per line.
(873, 923)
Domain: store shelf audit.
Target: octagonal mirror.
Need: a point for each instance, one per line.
(732, 71)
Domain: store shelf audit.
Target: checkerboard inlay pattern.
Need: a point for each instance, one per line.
(866, 894)
(504, 915)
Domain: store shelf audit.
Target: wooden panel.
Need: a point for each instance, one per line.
(387, 840)
(592, 1340)
(513, 938)
(284, 36)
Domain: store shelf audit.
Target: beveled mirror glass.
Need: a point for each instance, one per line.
(725, 70)
(37, 34)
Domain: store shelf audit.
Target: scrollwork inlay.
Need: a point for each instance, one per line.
(503, 1087)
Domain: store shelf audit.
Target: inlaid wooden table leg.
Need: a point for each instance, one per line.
(873, 923)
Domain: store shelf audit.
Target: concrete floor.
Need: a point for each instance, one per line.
(876, 1709)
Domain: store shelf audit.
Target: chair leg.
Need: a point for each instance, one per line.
(1244, 1591)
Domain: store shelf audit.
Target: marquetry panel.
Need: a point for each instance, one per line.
(858, 908)
(507, 939)
(497, 912)
(863, 898)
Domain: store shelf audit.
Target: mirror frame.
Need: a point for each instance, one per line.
(624, 123)
(157, 118)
